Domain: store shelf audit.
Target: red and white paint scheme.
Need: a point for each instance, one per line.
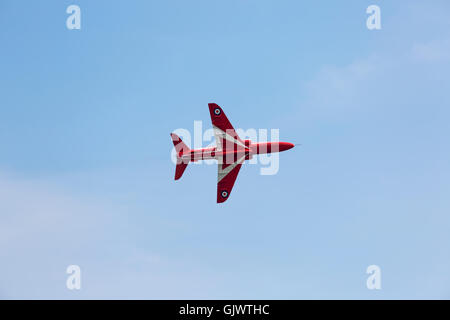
(230, 152)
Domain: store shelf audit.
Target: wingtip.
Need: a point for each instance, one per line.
(213, 106)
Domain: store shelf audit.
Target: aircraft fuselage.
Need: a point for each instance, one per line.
(231, 155)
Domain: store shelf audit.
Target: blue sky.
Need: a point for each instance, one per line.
(85, 170)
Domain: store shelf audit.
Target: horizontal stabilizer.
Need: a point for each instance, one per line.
(180, 148)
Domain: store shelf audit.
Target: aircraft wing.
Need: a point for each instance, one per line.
(227, 174)
(226, 137)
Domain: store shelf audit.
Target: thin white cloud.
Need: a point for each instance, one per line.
(386, 77)
(436, 51)
(44, 227)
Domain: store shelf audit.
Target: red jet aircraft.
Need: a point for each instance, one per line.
(230, 152)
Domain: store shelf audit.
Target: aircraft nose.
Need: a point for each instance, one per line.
(286, 146)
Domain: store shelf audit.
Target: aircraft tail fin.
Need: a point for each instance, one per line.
(180, 148)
